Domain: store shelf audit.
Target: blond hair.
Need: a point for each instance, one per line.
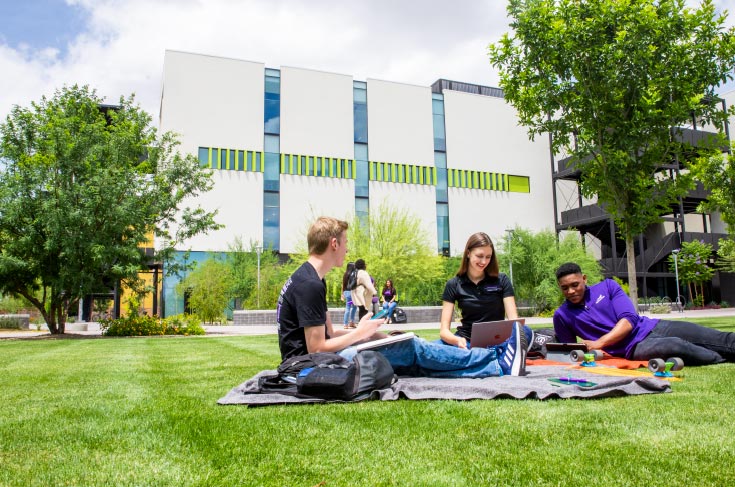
(321, 233)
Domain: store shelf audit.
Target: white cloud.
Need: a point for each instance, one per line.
(122, 48)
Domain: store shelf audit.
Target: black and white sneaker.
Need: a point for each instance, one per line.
(513, 359)
(530, 335)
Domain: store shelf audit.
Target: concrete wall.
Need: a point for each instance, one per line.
(316, 113)
(400, 123)
(482, 134)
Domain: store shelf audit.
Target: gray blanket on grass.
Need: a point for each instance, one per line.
(534, 385)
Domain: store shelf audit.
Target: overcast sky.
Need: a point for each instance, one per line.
(117, 46)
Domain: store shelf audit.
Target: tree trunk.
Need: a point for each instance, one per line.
(55, 319)
(632, 281)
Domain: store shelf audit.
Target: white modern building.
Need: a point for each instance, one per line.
(290, 144)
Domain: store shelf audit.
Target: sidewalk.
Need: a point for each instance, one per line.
(93, 329)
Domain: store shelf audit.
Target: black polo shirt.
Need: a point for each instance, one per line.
(302, 303)
(478, 302)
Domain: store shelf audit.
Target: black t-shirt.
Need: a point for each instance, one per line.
(303, 302)
(478, 302)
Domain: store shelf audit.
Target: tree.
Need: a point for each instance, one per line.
(209, 286)
(693, 267)
(535, 257)
(243, 262)
(610, 81)
(726, 255)
(717, 173)
(83, 186)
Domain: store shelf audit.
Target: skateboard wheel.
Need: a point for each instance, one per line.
(656, 365)
(576, 355)
(598, 354)
(678, 363)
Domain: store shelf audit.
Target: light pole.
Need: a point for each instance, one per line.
(510, 252)
(258, 249)
(676, 273)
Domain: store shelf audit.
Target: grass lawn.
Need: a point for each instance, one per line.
(143, 412)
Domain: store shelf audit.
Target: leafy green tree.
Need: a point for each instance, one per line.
(83, 186)
(395, 246)
(726, 255)
(693, 267)
(209, 286)
(610, 80)
(244, 264)
(535, 257)
(717, 173)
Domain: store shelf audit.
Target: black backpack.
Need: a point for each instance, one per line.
(540, 338)
(328, 375)
(399, 316)
(352, 280)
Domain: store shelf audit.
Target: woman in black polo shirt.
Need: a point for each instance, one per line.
(481, 292)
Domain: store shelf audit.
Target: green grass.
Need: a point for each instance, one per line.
(143, 412)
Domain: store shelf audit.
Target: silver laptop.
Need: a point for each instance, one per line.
(490, 333)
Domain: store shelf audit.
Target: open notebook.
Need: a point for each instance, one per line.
(384, 341)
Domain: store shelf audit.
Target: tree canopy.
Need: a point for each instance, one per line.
(83, 187)
(612, 81)
(536, 257)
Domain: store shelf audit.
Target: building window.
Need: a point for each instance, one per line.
(359, 93)
(272, 118)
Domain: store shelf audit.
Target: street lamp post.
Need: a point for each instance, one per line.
(676, 273)
(259, 249)
(510, 252)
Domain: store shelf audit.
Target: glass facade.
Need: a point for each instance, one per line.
(440, 165)
(362, 166)
(272, 119)
(272, 160)
(359, 93)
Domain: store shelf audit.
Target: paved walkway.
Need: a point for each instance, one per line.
(92, 329)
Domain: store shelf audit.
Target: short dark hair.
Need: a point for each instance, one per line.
(360, 264)
(566, 269)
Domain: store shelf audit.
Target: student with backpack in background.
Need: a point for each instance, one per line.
(349, 283)
(362, 296)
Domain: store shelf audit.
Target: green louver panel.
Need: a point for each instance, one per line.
(389, 172)
(519, 184)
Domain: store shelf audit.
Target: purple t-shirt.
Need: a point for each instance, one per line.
(604, 305)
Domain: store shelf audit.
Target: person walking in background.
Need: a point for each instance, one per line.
(349, 282)
(389, 295)
(481, 291)
(362, 296)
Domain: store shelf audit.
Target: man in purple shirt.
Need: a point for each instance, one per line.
(604, 318)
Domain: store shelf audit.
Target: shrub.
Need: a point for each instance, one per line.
(660, 309)
(9, 323)
(151, 325)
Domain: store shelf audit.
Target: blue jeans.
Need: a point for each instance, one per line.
(390, 307)
(420, 358)
(350, 309)
(694, 344)
(495, 351)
